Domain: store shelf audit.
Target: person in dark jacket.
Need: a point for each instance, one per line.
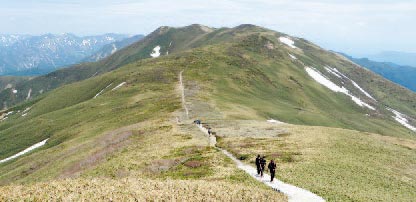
(262, 165)
(272, 168)
(258, 164)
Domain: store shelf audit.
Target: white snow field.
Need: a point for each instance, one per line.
(118, 86)
(293, 57)
(289, 42)
(35, 146)
(318, 77)
(400, 117)
(156, 52)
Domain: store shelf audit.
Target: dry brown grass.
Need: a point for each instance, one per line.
(135, 189)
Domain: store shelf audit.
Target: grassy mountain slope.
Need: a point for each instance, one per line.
(139, 50)
(232, 76)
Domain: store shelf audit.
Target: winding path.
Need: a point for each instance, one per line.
(294, 194)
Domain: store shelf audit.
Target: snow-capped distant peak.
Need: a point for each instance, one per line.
(289, 42)
(86, 42)
(156, 52)
(109, 38)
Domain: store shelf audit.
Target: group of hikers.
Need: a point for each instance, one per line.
(198, 122)
(261, 165)
(260, 161)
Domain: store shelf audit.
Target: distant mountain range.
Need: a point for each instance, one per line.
(397, 57)
(36, 55)
(403, 75)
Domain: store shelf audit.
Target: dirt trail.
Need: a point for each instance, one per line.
(182, 89)
(294, 194)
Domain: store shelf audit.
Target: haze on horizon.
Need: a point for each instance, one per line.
(355, 27)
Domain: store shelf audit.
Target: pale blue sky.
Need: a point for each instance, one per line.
(351, 26)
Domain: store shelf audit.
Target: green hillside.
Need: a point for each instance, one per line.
(98, 128)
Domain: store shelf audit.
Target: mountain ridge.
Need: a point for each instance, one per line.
(107, 121)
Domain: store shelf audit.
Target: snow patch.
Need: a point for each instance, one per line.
(35, 146)
(27, 109)
(328, 69)
(14, 91)
(273, 121)
(114, 49)
(318, 77)
(99, 93)
(401, 118)
(28, 94)
(156, 52)
(25, 114)
(118, 86)
(289, 42)
(338, 74)
(362, 90)
(292, 56)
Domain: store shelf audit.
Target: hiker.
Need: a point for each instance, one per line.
(258, 164)
(262, 165)
(272, 168)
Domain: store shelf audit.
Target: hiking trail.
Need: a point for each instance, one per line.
(294, 194)
(182, 89)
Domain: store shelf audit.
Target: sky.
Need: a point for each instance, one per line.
(355, 27)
